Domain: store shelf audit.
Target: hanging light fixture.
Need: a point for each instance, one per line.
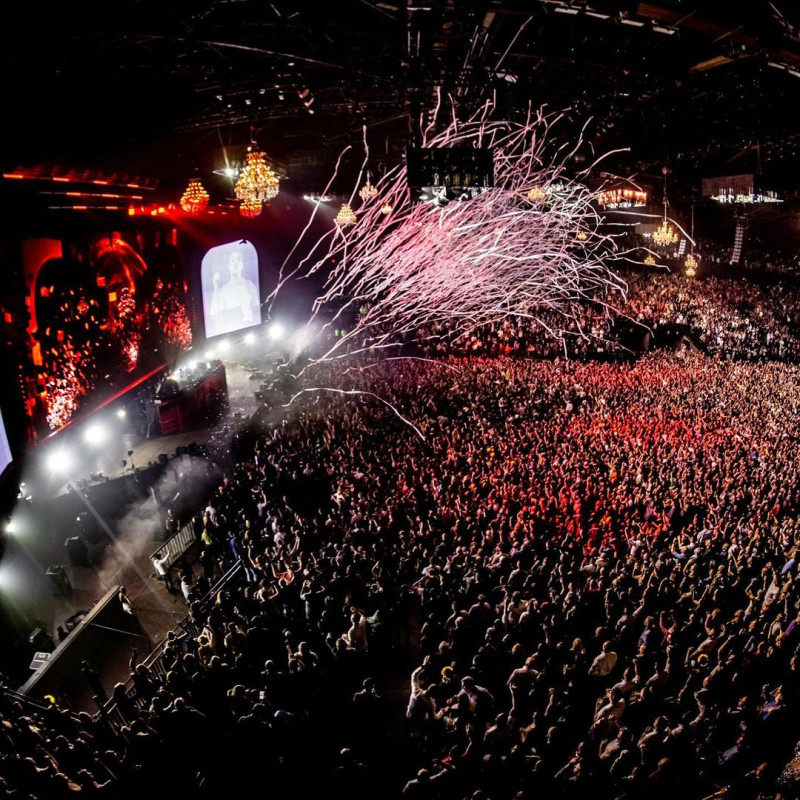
(346, 216)
(664, 235)
(536, 194)
(195, 198)
(367, 191)
(250, 207)
(386, 208)
(649, 260)
(257, 180)
(691, 261)
(581, 236)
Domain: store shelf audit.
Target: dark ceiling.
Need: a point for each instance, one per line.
(158, 88)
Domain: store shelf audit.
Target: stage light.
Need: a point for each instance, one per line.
(249, 338)
(11, 527)
(276, 330)
(224, 345)
(210, 355)
(121, 413)
(60, 461)
(191, 366)
(95, 434)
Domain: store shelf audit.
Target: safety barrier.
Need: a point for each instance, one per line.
(155, 660)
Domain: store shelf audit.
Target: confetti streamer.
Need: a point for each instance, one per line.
(532, 247)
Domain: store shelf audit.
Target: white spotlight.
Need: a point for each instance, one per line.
(210, 355)
(11, 527)
(249, 338)
(59, 461)
(121, 413)
(276, 330)
(224, 345)
(95, 434)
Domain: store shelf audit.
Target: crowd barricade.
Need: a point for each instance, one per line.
(186, 628)
(177, 544)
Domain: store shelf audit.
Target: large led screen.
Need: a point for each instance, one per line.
(231, 299)
(5, 450)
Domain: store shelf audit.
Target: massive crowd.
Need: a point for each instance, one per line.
(569, 579)
(726, 318)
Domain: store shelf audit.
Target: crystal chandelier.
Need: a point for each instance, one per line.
(195, 198)
(649, 260)
(367, 191)
(386, 209)
(581, 236)
(536, 194)
(691, 261)
(664, 235)
(257, 180)
(250, 207)
(346, 216)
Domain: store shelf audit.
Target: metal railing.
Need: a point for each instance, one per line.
(35, 706)
(155, 660)
(177, 544)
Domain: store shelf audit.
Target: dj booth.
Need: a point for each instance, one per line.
(191, 398)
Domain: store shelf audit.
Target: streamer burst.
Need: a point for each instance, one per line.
(428, 270)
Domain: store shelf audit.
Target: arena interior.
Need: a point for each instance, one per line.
(401, 401)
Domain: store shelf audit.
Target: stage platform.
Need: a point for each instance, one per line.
(124, 517)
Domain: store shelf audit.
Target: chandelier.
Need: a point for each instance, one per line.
(664, 235)
(536, 194)
(581, 236)
(367, 191)
(387, 208)
(257, 180)
(649, 260)
(346, 216)
(195, 198)
(250, 207)
(691, 261)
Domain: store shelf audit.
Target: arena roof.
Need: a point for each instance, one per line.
(160, 89)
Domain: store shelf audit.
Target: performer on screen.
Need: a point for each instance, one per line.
(237, 294)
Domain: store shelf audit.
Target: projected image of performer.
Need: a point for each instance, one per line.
(237, 294)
